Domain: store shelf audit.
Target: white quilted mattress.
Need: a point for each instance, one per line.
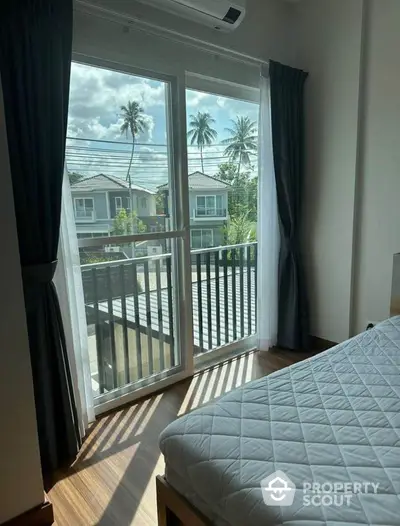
(332, 419)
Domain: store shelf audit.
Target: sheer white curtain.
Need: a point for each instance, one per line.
(68, 281)
(268, 228)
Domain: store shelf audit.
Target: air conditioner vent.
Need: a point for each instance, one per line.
(224, 15)
(232, 16)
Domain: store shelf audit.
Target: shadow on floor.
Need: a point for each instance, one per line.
(113, 480)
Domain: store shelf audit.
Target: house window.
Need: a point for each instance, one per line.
(118, 204)
(84, 208)
(209, 205)
(143, 202)
(202, 238)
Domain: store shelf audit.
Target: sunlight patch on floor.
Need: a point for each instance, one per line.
(139, 411)
(146, 418)
(185, 404)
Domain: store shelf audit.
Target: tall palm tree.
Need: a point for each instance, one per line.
(201, 132)
(242, 143)
(134, 122)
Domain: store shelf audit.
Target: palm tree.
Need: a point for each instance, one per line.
(242, 143)
(201, 133)
(135, 123)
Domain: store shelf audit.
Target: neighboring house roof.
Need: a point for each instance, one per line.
(105, 182)
(200, 181)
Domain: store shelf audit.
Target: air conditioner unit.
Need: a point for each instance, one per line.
(222, 15)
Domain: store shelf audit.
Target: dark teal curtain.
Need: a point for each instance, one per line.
(287, 114)
(35, 61)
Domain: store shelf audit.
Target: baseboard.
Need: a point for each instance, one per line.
(319, 344)
(39, 516)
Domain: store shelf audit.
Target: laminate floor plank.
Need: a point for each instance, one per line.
(113, 480)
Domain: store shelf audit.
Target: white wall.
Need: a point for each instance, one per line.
(328, 47)
(156, 53)
(352, 184)
(21, 486)
(150, 208)
(352, 198)
(379, 218)
(262, 34)
(265, 33)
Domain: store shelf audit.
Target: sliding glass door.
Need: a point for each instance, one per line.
(129, 200)
(163, 178)
(222, 124)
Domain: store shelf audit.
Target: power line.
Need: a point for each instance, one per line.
(112, 142)
(137, 158)
(139, 167)
(89, 157)
(136, 143)
(101, 152)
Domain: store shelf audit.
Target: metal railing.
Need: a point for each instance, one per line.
(84, 215)
(209, 212)
(130, 311)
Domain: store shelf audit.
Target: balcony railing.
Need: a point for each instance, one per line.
(204, 212)
(130, 313)
(84, 215)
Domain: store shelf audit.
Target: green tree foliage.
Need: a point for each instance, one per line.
(252, 197)
(201, 132)
(124, 222)
(240, 229)
(161, 202)
(97, 257)
(242, 143)
(74, 177)
(242, 194)
(227, 172)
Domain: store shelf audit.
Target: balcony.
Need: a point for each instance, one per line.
(209, 213)
(85, 216)
(130, 311)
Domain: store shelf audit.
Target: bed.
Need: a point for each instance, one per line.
(331, 419)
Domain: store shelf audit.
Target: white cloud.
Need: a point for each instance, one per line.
(96, 96)
(221, 102)
(195, 98)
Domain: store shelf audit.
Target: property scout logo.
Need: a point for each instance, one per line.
(279, 490)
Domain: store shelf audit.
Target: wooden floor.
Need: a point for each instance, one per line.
(113, 480)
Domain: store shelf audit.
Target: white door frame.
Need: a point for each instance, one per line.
(180, 236)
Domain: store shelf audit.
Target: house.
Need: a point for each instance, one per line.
(208, 209)
(97, 201)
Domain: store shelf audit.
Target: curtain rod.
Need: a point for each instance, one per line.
(168, 34)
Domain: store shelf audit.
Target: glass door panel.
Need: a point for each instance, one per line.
(222, 135)
(130, 316)
(122, 157)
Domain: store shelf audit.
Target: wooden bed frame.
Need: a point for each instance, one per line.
(175, 510)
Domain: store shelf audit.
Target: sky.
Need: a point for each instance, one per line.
(95, 143)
